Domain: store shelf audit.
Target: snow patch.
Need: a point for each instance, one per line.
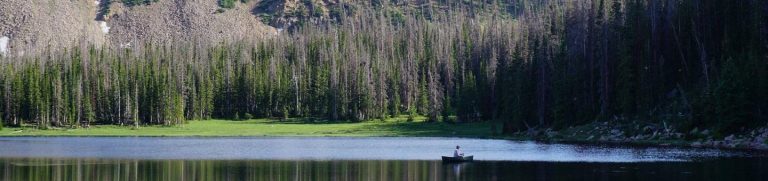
(96, 2)
(104, 27)
(4, 50)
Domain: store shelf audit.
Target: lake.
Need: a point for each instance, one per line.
(346, 158)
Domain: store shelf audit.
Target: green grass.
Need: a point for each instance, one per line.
(267, 127)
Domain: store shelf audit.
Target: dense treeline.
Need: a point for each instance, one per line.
(688, 63)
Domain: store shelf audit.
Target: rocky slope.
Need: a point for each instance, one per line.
(645, 133)
(32, 26)
(35, 25)
(184, 20)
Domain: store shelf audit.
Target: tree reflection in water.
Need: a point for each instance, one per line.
(33, 169)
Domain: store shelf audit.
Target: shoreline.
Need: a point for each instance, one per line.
(395, 128)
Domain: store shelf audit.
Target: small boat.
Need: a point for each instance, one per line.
(450, 159)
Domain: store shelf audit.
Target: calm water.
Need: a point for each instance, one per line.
(302, 158)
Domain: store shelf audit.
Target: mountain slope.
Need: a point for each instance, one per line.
(38, 25)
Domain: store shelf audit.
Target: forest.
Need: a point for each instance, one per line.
(533, 64)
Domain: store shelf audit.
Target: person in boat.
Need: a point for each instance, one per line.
(458, 152)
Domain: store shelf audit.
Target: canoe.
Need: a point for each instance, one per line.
(457, 159)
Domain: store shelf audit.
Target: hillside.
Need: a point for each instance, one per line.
(34, 25)
(41, 24)
(607, 70)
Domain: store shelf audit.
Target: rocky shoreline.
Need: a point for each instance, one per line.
(650, 135)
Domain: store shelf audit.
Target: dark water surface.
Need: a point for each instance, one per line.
(335, 158)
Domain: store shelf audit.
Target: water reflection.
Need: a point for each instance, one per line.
(33, 169)
(457, 169)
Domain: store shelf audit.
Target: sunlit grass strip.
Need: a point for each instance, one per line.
(270, 127)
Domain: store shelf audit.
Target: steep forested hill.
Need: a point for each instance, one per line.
(644, 66)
